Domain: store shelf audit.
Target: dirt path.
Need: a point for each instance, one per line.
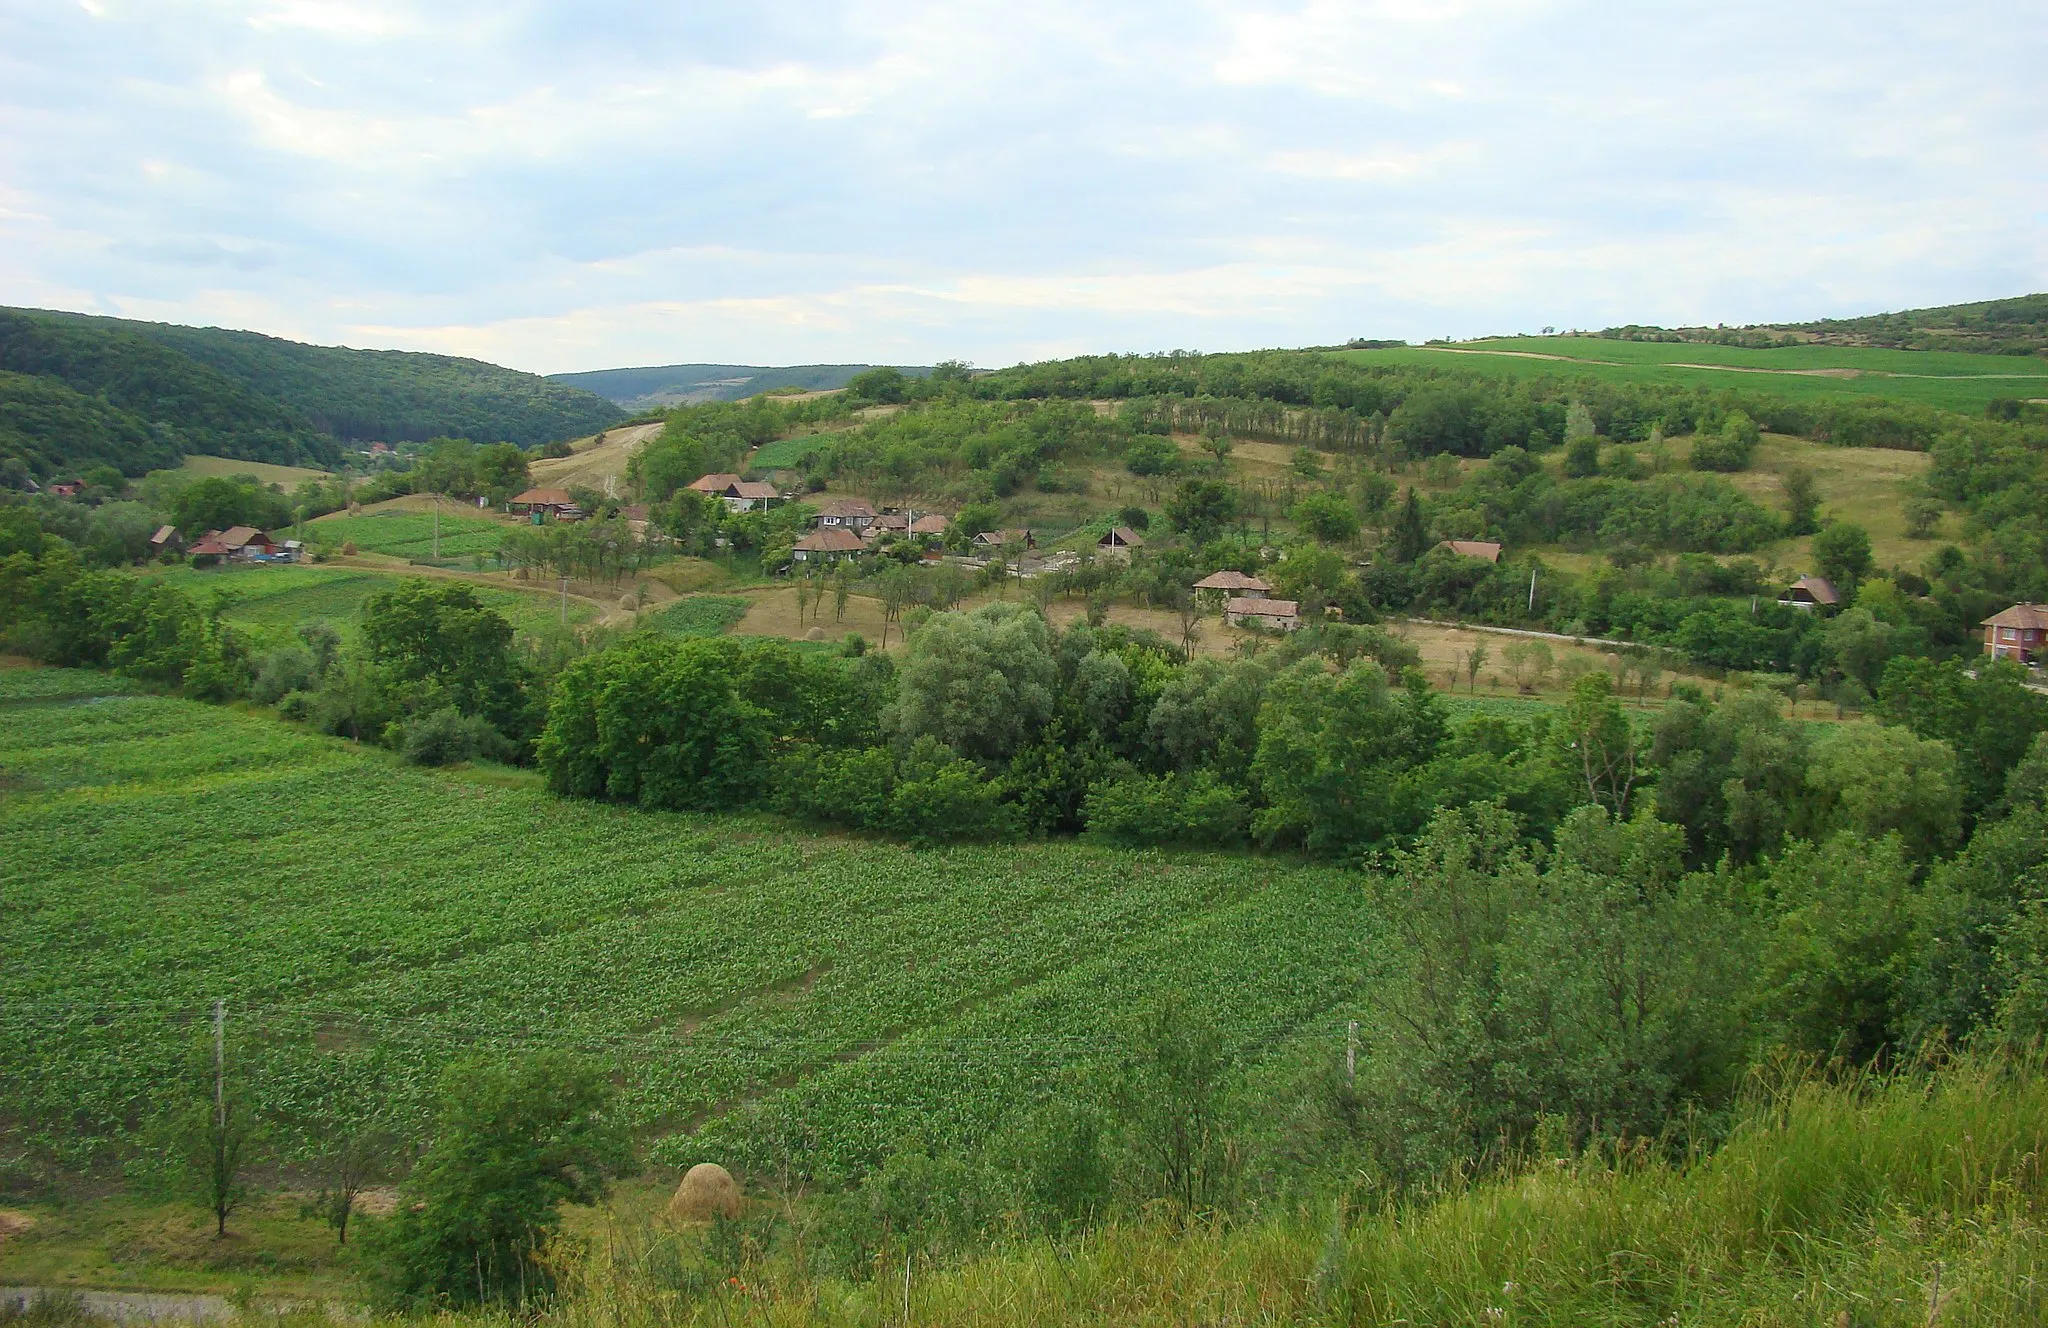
(127, 1306)
(1523, 631)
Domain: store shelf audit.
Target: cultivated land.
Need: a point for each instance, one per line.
(206, 467)
(362, 919)
(1950, 380)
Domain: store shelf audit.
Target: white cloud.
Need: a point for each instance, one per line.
(562, 185)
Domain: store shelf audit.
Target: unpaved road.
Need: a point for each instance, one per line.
(131, 1306)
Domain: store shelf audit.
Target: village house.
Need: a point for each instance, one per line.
(1811, 592)
(1484, 550)
(1003, 539)
(543, 503)
(2018, 633)
(855, 514)
(931, 524)
(827, 544)
(737, 494)
(1282, 615)
(1119, 542)
(70, 488)
(1235, 584)
(888, 523)
(166, 537)
(244, 543)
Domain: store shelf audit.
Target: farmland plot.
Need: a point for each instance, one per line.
(759, 991)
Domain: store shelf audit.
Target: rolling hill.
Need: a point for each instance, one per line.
(2016, 326)
(78, 391)
(677, 384)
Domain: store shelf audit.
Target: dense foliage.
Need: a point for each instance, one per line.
(153, 391)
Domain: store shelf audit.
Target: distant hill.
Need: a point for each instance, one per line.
(678, 384)
(2016, 326)
(78, 390)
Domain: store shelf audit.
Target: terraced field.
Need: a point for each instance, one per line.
(763, 994)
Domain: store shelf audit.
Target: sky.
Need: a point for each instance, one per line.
(568, 186)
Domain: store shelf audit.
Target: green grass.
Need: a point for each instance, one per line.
(366, 922)
(409, 534)
(270, 602)
(1894, 1205)
(37, 684)
(784, 453)
(1949, 380)
(702, 615)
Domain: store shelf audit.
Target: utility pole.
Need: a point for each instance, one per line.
(437, 527)
(220, 1063)
(565, 601)
(1532, 592)
(1351, 1054)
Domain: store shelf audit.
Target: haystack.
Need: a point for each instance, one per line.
(815, 634)
(708, 1191)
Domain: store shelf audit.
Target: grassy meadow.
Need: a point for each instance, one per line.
(270, 602)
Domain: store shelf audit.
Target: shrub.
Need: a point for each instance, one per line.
(448, 737)
(1193, 808)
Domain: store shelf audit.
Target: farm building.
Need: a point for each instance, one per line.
(2018, 633)
(166, 537)
(1003, 539)
(241, 542)
(1235, 584)
(70, 488)
(713, 486)
(931, 524)
(1282, 615)
(827, 544)
(1811, 592)
(542, 503)
(888, 523)
(1484, 550)
(1119, 542)
(737, 494)
(855, 514)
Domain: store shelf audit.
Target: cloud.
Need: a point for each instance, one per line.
(565, 186)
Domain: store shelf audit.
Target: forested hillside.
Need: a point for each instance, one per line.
(2018, 326)
(677, 384)
(81, 391)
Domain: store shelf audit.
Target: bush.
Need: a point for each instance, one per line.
(448, 737)
(1142, 810)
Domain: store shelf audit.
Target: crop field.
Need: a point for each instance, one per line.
(269, 602)
(758, 990)
(702, 615)
(404, 534)
(1951, 380)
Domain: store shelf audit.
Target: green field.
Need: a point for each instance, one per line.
(269, 602)
(784, 452)
(702, 615)
(1950, 380)
(404, 534)
(752, 984)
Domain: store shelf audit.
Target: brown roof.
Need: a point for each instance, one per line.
(847, 507)
(544, 498)
(933, 524)
(1818, 588)
(1486, 549)
(209, 546)
(164, 535)
(714, 483)
(1265, 608)
(755, 489)
(830, 539)
(1231, 579)
(234, 537)
(891, 521)
(1003, 537)
(2034, 616)
(1122, 535)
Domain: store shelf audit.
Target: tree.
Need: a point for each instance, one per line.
(500, 471)
(511, 1145)
(1841, 553)
(350, 1157)
(1582, 457)
(1201, 509)
(1802, 502)
(981, 682)
(1923, 517)
(1327, 517)
(1529, 663)
(222, 501)
(1877, 780)
(1601, 744)
(1317, 577)
(1409, 537)
(1475, 660)
(1170, 1098)
(1149, 454)
(885, 385)
(211, 1136)
(439, 635)
(1334, 751)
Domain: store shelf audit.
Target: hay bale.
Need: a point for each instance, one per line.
(629, 602)
(708, 1191)
(815, 634)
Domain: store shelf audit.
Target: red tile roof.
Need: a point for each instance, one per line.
(544, 498)
(830, 539)
(2034, 616)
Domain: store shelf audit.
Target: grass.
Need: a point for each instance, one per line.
(289, 477)
(1897, 1204)
(784, 453)
(409, 534)
(367, 919)
(1951, 381)
(270, 602)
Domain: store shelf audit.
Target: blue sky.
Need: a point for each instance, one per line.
(574, 186)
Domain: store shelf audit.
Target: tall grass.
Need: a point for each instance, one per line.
(1915, 1200)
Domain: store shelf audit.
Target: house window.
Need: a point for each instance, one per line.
(2007, 634)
